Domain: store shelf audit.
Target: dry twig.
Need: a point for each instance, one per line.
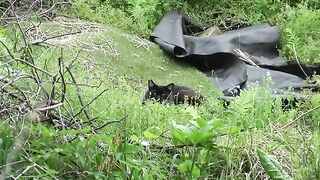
(243, 56)
(299, 117)
(138, 42)
(39, 91)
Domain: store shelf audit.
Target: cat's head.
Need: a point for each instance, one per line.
(159, 93)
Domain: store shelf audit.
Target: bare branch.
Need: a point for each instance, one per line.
(300, 116)
(35, 67)
(53, 37)
(64, 87)
(9, 52)
(89, 103)
(110, 122)
(78, 94)
(49, 107)
(24, 171)
(53, 6)
(39, 167)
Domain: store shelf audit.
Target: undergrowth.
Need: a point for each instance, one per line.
(297, 20)
(156, 141)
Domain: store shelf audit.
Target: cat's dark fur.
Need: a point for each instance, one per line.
(172, 94)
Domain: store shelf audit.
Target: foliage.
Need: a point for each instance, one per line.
(297, 20)
(271, 166)
(138, 16)
(300, 36)
(156, 141)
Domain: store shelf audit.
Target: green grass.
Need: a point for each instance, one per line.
(117, 150)
(125, 76)
(297, 20)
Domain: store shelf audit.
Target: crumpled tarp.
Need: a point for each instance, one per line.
(215, 55)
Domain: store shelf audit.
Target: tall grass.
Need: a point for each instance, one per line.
(176, 142)
(297, 20)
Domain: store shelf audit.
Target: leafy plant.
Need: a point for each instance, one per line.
(210, 141)
(299, 27)
(271, 166)
(139, 16)
(198, 132)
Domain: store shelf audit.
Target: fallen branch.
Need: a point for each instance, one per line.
(25, 170)
(13, 163)
(53, 37)
(35, 67)
(49, 107)
(39, 167)
(299, 117)
(243, 56)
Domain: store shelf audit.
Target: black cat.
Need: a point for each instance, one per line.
(172, 94)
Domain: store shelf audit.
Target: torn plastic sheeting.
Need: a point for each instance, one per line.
(215, 55)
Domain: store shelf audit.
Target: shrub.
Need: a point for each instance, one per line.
(298, 20)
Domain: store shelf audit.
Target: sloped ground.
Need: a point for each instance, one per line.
(141, 145)
(126, 54)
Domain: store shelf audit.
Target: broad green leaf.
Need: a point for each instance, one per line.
(315, 100)
(202, 122)
(216, 123)
(199, 136)
(184, 129)
(195, 136)
(195, 124)
(186, 167)
(206, 129)
(205, 139)
(272, 167)
(179, 137)
(128, 148)
(45, 131)
(203, 155)
(134, 138)
(183, 167)
(195, 171)
(94, 139)
(149, 135)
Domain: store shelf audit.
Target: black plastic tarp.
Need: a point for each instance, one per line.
(215, 55)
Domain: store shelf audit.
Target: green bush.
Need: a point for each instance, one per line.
(298, 20)
(137, 16)
(300, 34)
(160, 142)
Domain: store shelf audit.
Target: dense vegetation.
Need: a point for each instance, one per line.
(122, 138)
(298, 20)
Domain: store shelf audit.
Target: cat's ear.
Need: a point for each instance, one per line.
(151, 84)
(170, 86)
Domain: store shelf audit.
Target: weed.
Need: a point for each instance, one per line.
(208, 141)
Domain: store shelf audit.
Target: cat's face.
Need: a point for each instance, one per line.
(160, 93)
